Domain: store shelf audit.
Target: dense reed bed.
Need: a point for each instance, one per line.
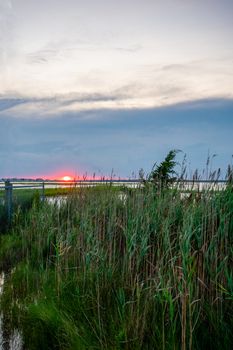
(141, 270)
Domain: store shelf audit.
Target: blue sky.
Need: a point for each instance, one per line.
(95, 85)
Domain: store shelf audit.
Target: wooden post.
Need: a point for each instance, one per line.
(8, 200)
(43, 192)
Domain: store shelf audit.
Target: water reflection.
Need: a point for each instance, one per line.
(58, 200)
(8, 340)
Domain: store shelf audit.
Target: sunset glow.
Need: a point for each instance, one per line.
(67, 178)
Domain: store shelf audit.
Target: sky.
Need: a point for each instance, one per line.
(91, 86)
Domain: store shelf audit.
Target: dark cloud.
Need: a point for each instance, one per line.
(61, 100)
(8, 103)
(125, 140)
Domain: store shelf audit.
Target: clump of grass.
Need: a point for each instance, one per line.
(153, 271)
(22, 202)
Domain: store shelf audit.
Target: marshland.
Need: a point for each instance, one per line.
(152, 271)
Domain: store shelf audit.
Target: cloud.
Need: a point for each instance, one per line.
(55, 47)
(54, 104)
(6, 104)
(151, 86)
(125, 140)
(66, 49)
(86, 104)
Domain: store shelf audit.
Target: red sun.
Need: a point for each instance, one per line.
(67, 178)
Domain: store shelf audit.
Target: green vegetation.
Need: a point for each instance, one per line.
(151, 270)
(22, 195)
(163, 174)
(22, 202)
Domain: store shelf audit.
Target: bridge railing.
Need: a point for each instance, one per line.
(8, 187)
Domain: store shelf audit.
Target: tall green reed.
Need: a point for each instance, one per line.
(149, 271)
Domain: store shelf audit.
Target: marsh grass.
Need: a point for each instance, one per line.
(151, 272)
(22, 201)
